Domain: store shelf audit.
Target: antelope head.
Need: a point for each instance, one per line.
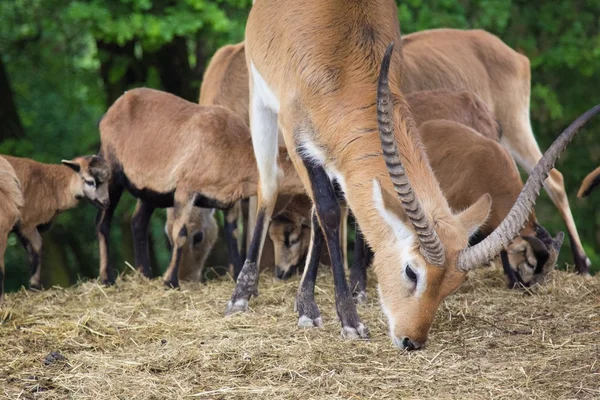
(427, 257)
(94, 174)
(533, 257)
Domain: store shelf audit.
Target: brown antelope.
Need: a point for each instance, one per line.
(48, 190)
(314, 73)
(460, 136)
(203, 231)
(589, 183)
(169, 152)
(11, 201)
(472, 60)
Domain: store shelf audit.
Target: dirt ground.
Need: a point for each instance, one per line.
(140, 341)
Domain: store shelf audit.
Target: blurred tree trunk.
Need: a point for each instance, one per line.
(10, 123)
(176, 74)
(55, 270)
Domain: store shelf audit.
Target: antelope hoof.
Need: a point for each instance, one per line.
(360, 297)
(307, 322)
(35, 286)
(240, 305)
(172, 283)
(358, 332)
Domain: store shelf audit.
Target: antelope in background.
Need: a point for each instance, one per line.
(49, 189)
(169, 152)
(314, 73)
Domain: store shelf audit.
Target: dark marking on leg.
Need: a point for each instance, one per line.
(308, 311)
(328, 211)
(206, 202)
(245, 204)
(582, 262)
(247, 281)
(139, 230)
(358, 270)
(233, 254)
(103, 224)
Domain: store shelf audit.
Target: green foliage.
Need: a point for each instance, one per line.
(68, 60)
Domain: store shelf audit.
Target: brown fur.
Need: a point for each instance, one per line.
(471, 60)
(589, 183)
(194, 255)
(161, 143)
(11, 201)
(324, 75)
(461, 106)
(467, 166)
(49, 189)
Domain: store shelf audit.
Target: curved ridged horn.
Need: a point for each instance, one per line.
(481, 254)
(431, 246)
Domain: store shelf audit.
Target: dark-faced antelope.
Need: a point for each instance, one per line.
(169, 152)
(48, 190)
(315, 71)
(11, 201)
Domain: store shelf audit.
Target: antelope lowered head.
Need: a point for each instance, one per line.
(93, 176)
(427, 240)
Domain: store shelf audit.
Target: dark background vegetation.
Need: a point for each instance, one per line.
(64, 62)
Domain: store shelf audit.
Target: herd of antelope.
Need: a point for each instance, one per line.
(325, 104)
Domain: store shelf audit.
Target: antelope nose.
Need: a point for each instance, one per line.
(407, 344)
(281, 274)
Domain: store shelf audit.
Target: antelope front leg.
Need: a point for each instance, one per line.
(308, 311)
(247, 281)
(230, 234)
(32, 241)
(328, 212)
(103, 222)
(139, 229)
(182, 208)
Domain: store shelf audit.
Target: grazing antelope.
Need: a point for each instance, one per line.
(314, 73)
(469, 165)
(290, 228)
(169, 152)
(460, 137)
(472, 60)
(203, 231)
(48, 190)
(589, 183)
(11, 201)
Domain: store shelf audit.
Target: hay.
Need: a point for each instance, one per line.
(138, 340)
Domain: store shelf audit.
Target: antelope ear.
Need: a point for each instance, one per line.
(75, 166)
(475, 216)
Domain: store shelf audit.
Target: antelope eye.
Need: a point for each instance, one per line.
(411, 274)
(91, 183)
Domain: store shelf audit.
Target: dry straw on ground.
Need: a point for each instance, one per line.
(140, 341)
